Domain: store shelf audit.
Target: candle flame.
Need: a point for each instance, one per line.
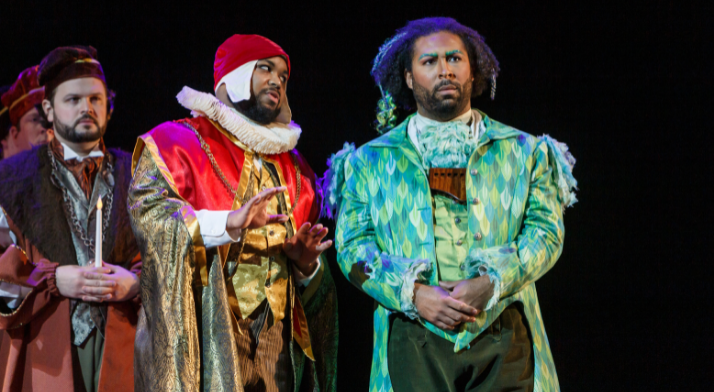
(99, 203)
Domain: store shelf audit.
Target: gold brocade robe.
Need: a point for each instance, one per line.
(186, 331)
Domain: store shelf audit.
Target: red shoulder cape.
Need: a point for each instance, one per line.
(199, 184)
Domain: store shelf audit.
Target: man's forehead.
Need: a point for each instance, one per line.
(439, 43)
(88, 85)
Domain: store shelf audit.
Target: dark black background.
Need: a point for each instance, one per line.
(626, 86)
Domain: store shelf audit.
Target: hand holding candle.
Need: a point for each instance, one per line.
(98, 237)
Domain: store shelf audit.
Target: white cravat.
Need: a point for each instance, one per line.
(71, 154)
(418, 121)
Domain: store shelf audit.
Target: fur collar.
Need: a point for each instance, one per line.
(34, 204)
(274, 138)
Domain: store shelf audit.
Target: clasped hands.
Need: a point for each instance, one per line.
(451, 303)
(107, 283)
(303, 248)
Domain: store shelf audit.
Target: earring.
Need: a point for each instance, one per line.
(493, 86)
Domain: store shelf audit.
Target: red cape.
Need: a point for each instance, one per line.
(197, 182)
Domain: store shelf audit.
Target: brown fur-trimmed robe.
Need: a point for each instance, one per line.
(36, 351)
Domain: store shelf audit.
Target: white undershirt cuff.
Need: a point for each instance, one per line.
(213, 228)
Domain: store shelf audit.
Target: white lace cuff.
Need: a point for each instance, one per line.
(413, 273)
(479, 263)
(496, 280)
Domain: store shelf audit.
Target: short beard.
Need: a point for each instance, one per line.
(70, 133)
(439, 107)
(257, 112)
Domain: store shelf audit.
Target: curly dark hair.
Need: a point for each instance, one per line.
(396, 54)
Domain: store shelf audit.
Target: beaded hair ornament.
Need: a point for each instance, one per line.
(386, 108)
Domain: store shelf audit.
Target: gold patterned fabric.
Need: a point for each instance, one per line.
(166, 350)
(262, 272)
(186, 302)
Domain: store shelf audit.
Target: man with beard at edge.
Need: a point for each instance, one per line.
(447, 220)
(21, 106)
(236, 296)
(66, 325)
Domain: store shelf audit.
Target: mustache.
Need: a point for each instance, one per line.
(273, 89)
(445, 83)
(86, 117)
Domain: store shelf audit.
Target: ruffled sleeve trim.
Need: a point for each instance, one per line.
(416, 272)
(480, 263)
(563, 162)
(331, 182)
(403, 273)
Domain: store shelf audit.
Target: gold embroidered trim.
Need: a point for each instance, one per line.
(187, 212)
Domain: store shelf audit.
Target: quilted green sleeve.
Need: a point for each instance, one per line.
(540, 241)
(387, 278)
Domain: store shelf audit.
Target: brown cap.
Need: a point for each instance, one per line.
(69, 62)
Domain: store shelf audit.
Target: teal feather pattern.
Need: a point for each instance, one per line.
(564, 163)
(331, 182)
(384, 231)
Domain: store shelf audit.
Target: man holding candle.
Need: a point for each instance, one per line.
(66, 324)
(223, 207)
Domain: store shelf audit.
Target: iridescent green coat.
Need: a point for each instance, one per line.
(517, 187)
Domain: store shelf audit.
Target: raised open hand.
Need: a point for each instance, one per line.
(305, 247)
(254, 214)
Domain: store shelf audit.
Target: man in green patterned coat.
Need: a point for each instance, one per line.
(447, 220)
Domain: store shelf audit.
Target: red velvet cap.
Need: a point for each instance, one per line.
(240, 49)
(23, 95)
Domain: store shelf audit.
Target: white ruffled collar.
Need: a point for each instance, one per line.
(274, 138)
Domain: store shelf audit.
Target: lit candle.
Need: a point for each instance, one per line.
(98, 237)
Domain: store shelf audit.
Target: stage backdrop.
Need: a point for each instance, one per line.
(628, 88)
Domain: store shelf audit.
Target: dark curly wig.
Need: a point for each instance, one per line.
(395, 55)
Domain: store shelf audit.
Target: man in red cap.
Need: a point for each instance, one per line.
(235, 294)
(4, 117)
(21, 104)
(65, 324)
